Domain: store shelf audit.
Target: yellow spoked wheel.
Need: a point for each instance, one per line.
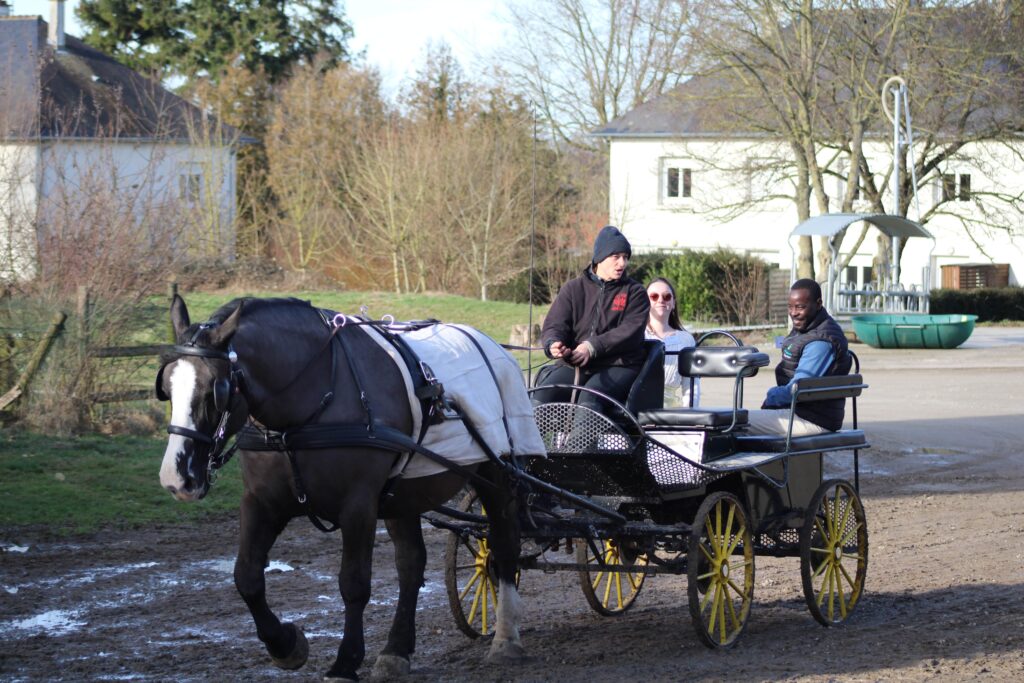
(470, 579)
(833, 552)
(720, 570)
(610, 589)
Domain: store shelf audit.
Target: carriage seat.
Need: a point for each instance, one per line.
(827, 441)
(693, 418)
(648, 390)
(805, 391)
(739, 362)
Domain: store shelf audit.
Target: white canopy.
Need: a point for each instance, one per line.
(829, 224)
(896, 227)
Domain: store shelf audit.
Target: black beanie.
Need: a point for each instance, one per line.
(610, 241)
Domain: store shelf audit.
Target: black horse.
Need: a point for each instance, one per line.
(271, 360)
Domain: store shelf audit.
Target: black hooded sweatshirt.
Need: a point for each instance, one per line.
(611, 315)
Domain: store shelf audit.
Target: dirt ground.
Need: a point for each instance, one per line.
(944, 596)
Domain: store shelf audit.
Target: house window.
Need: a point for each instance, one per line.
(956, 187)
(964, 194)
(190, 187)
(677, 180)
(680, 182)
(948, 187)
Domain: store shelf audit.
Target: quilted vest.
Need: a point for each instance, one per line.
(828, 413)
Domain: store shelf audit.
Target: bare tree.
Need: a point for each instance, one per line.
(809, 74)
(585, 62)
(316, 134)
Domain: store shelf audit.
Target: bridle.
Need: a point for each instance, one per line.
(224, 391)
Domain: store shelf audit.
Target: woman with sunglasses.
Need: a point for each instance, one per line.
(663, 323)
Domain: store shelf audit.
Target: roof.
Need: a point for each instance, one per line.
(830, 224)
(80, 92)
(715, 105)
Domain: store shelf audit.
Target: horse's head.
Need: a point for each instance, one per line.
(201, 380)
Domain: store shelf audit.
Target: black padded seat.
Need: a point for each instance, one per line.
(816, 442)
(707, 418)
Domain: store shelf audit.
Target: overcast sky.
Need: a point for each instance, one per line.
(394, 33)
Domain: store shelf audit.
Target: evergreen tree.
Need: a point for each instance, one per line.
(199, 38)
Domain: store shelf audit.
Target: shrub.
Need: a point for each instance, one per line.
(719, 285)
(989, 304)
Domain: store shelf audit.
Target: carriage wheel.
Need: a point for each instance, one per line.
(834, 552)
(612, 590)
(720, 570)
(470, 578)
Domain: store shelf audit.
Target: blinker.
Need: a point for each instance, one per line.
(160, 394)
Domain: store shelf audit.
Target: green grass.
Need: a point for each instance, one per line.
(82, 484)
(494, 318)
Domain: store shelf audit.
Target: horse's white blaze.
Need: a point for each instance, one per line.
(509, 613)
(183, 385)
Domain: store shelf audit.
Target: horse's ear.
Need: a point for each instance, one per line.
(179, 316)
(220, 335)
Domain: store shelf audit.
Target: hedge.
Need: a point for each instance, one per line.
(989, 304)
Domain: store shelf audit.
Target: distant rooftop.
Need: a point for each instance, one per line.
(80, 92)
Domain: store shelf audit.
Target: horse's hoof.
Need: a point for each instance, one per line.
(299, 654)
(388, 667)
(506, 651)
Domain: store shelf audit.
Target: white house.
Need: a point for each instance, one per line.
(85, 138)
(681, 178)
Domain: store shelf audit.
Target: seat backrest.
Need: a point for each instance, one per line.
(832, 387)
(648, 390)
(721, 361)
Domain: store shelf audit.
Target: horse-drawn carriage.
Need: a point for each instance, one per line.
(630, 490)
(678, 491)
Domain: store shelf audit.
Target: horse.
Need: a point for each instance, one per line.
(270, 362)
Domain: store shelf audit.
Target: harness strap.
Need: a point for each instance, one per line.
(303, 499)
(357, 376)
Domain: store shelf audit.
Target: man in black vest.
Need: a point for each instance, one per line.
(816, 347)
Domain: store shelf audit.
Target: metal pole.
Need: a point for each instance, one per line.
(894, 269)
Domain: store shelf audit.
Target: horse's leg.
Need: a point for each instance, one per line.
(410, 561)
(358, 527)
(503, 538)
(260, 527)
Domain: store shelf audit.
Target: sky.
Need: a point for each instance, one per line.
(394, 33)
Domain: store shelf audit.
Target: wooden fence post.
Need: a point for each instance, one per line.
(37, 358)
(82, 310)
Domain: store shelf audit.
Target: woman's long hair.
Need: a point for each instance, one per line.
(673, 315)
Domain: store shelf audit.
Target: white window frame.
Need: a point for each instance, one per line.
(956, 184)
(683, 170)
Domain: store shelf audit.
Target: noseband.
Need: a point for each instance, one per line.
(224, 391)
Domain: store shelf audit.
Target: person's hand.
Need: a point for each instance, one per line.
(558, 349)
(580, 355)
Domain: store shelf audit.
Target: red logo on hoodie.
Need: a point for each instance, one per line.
(619, 302)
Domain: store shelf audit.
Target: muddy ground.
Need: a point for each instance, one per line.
(944, 595)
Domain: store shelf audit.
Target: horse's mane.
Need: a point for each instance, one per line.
(251, 306)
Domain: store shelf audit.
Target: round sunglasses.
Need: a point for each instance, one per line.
(654, 296)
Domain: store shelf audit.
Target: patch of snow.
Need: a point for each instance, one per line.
(11, 548)
(279, 566)
(54, 622)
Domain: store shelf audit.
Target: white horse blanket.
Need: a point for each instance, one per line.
(458, 364)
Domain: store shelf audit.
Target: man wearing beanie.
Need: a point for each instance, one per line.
(596, 326)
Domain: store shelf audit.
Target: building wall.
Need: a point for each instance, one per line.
(19, 169)
(739, 199)
(185, 188)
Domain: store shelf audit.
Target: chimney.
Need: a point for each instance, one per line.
(5, 9)
(55, 37)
